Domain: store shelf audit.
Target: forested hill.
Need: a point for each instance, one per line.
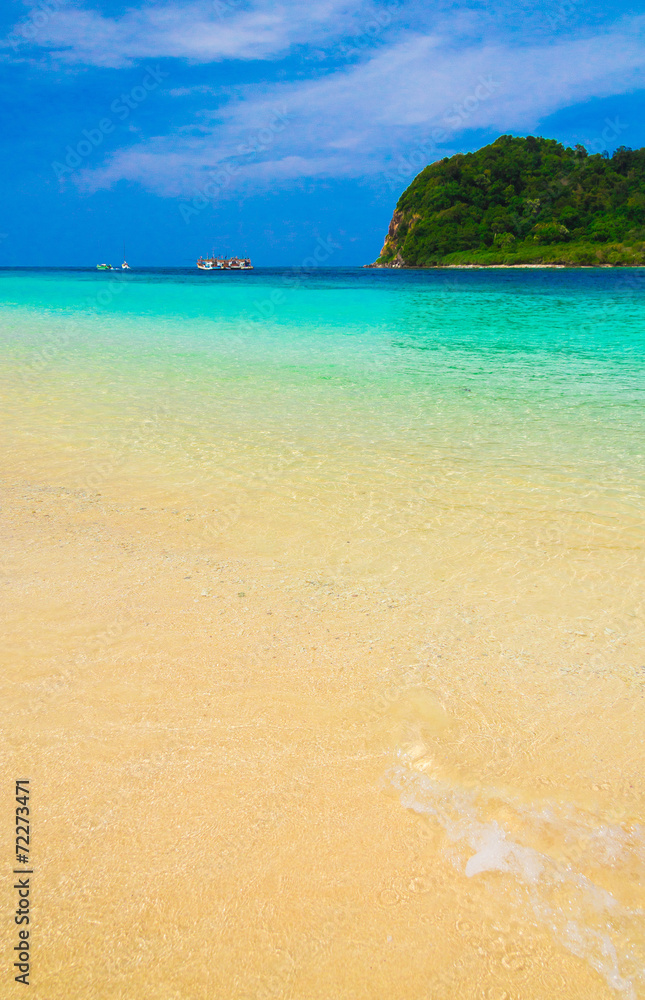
(522, 200)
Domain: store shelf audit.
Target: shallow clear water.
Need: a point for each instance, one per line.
(385, 397)
(434, 481)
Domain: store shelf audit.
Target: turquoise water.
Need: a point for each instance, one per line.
(534, 370)
(501, 404)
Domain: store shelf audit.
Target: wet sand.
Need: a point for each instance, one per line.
(228, 756)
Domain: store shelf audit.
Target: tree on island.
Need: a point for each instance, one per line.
(522, 200)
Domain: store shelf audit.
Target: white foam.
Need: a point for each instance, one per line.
(584, 917)
(496, 853)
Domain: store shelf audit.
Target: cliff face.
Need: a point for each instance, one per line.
(522, 200)
(389, 250)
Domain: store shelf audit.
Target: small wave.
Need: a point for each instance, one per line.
(587, 919)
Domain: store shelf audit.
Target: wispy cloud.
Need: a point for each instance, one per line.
(351, 122)
(199, 31)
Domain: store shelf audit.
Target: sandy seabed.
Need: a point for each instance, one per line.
(260, 771)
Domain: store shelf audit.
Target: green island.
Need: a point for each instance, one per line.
(522, 201)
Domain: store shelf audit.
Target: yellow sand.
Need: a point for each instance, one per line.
(222, 707)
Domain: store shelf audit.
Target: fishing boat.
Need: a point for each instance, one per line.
(124, 266)
(104, 267)
(224, 264)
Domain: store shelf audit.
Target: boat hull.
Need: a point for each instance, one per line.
(224, 264)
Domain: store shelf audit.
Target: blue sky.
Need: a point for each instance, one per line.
(258, 127)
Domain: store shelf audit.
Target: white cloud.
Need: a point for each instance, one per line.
(351, 122)
(199, 31)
